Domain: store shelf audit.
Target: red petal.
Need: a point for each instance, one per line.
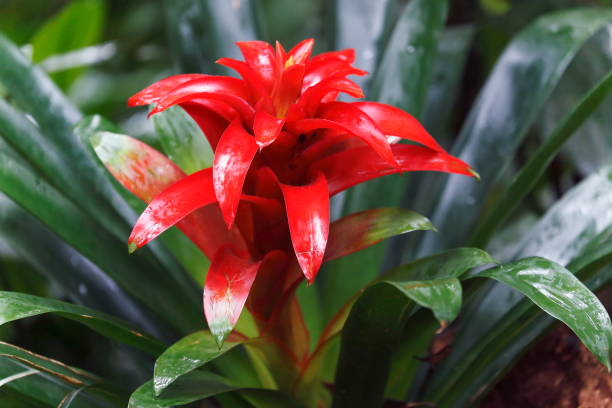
(395, 122)
(229, 90)
(308, 215)
(259, 55)
(233, 157)
(226, 289)
(322, 69)
(313, 96)
(159, 89)
(288, 89)
(301, 52)
(172, 205)
(266, 128)
(361, 230)
(366, 165)
(343, 116)
(252, 78)
(346, 55)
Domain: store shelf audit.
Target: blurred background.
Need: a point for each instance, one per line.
(100, 52)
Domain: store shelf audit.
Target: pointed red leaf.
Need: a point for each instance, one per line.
(366, 228)
(253, 79)
(301, 52)
(226, 289)
(172, 205)
(232, 91)
(266, 128)
(145, 172)
(395, 122)
(346, 55)
(308, 215)
(319, 69)
(366, 165)
(233, 156)
(288, 89)
(313, 96)
(260, 56)
(159, 89)
(343, 116)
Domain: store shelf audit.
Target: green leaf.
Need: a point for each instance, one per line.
(138, 275)
(557, 291)
(49, 381)
(368, 338)
(77, 25)
(531, 173)
(203, 31)
(193, 387)
(182, 140)
(497, 321)
(15, 306)
(378, 317)
(402, 80)
(82, 281)
(361, 230)
(186, 355)
(529, 69)
(372, 17)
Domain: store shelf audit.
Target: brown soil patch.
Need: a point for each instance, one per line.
(558, 372)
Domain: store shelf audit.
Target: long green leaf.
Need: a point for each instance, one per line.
(377, 319)
(557, 291)
(202, 31)
(531, 173)
(15, 306)
(186, 355)
(149, 285)
(574, 232)
(402, 79)
(529, 69)
(372, 17)
(82, 281)
(57, 36)
(52, 380)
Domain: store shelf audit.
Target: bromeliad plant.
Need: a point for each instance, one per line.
(249, 171)
(283, 146)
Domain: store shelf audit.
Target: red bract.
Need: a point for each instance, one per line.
(283, 145)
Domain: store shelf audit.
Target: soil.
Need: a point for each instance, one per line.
(557, 372)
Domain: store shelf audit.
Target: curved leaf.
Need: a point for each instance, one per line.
(535, 60)
(15, 306)
(364, 229)
(529, 175)
(186, 355)
(56, 36)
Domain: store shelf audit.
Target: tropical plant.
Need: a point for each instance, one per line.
(248, 169)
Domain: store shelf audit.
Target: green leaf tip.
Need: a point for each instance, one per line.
(475, 174)
(132, 246)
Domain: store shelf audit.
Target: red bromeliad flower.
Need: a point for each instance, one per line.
(283, 146)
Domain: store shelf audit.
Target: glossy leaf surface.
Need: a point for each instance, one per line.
(308, 223)
(226, 289)
(488, 141)
(414, 75)
(377, 319)
(15, 306)
(529, 175)
(182, 140)
(563, 296)
(364, 229)
(186, 355)
(29, 190)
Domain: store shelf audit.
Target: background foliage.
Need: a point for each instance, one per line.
(503, 110)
